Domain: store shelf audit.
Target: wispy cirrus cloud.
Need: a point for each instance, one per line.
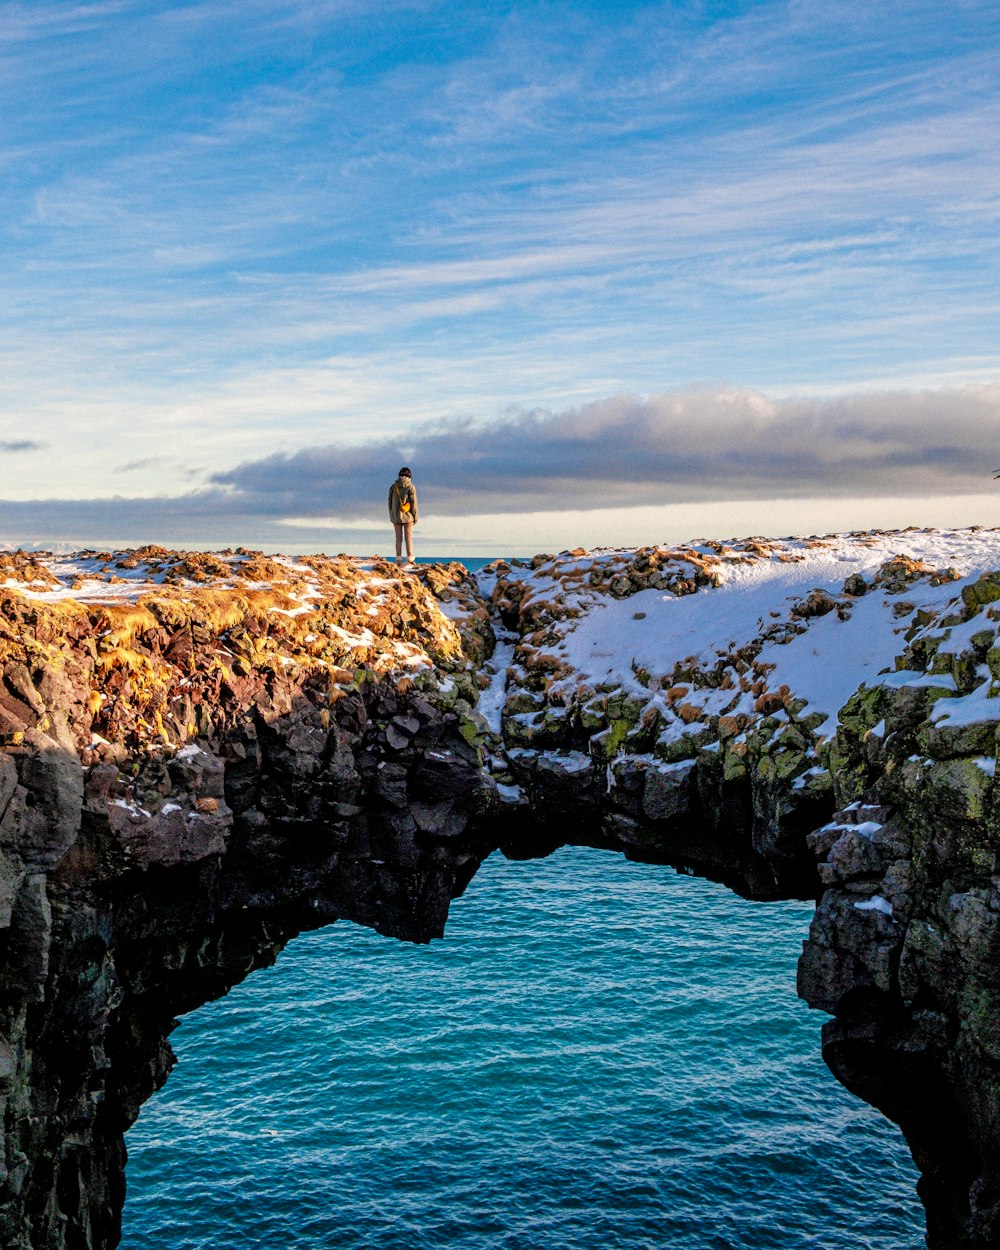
(273, 233)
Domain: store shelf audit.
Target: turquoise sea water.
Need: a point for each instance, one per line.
(598, 1055)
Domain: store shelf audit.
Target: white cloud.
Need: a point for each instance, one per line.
(446, 212)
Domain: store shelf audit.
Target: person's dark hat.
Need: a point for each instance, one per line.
(404, 473)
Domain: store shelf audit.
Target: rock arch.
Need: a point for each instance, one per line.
(140, 878)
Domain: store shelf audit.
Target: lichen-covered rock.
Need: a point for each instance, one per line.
(909, 968)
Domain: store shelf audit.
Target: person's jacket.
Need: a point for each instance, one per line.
(402, 491)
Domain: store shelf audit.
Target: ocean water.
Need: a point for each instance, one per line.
(598, 1055)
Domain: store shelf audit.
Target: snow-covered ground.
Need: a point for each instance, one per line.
(606, 642)
(746, 630)
(824, 664)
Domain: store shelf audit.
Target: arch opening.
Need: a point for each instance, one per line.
(590, 1057)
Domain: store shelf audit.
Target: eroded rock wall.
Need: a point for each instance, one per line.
(904, 950)
(141, 877)
(241, 749)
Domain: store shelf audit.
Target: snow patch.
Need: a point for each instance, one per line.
(875, 903)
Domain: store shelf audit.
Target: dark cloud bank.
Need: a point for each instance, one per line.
(683, 446)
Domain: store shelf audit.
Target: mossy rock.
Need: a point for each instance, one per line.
(863, 710)
(782, 765)
(685, 747)
(979, 1010)
(963, 669)
(466, 687)
(474, 734)
(849, 770)
(555, 721)
(924, 959)
(793, 739)
(907, 706)
(819, 784)
(956, 791)
(536, 729)
(622, 706)
(522, 701)
(759, 738)
(593, 716)
(921, 651)
(979, 593)
(943, 741)
(734, 765)
(606, 745)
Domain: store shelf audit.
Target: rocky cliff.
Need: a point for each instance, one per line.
(206, 754)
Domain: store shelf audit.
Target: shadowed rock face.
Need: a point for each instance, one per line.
(191, 779)
(904, 948)
(281, 828)
(140, 877)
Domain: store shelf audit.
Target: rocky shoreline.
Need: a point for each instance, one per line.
(206, 754)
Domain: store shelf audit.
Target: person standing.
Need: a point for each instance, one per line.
(403, 513)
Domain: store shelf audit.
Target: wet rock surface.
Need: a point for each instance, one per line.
(205, 754)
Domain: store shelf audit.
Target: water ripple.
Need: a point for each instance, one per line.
(600, 1054)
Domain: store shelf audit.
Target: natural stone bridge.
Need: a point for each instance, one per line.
(206, 755)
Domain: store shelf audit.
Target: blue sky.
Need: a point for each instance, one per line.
(601, 272)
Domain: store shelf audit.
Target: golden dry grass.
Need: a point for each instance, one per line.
(154, 664)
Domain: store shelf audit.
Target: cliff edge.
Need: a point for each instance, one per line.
(205, 754)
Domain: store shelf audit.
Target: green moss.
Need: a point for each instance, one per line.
(863, 710)
(685, 747)
(849, 769)
(523, 701)
(781, 765)
(593, 715)
(950, 801)
(980, 1014)
(986, 590)
(625, 707)
(524, 730)
(471, 732)
(792, 738)
(734, 766)
(944, 741)
(963, 669)
(605, 746)
(554, 721)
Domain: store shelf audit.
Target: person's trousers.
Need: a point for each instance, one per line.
(404, 527)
